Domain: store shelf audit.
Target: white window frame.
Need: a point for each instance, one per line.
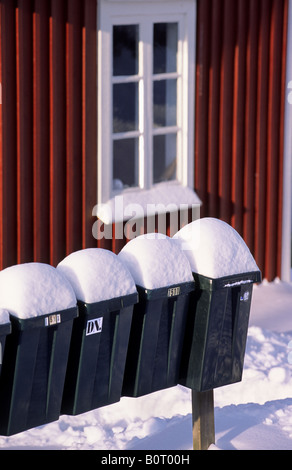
(112, 12)
(286, 268)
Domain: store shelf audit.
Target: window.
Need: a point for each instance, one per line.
(145, 95)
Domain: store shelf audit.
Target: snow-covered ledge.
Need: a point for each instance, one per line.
(137, 204)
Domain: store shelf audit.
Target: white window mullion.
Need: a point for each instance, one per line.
(188, 86)
(146, 103)
(127, 79)
(181, 104)
(142, 119)
(166, 130)
(125, 135)
(105, 106)
(165, 76)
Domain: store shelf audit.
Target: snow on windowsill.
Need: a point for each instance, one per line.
(139, 203)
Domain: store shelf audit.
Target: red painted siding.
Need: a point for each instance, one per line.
(48, 125)
(241, 51)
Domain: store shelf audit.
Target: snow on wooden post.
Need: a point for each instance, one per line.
(203, 419)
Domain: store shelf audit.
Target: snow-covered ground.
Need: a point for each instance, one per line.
(253, 414)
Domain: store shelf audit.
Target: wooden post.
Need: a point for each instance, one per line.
(203, 419)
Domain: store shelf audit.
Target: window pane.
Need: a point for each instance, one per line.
(164, 103)
(164, 157)
(165, 47)
(125, 163)
(125, 107)
(125, 50)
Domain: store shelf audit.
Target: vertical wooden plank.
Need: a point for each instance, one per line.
(74, 126)
(89, 122)
(24, 131)
(214, 108)
(118, 240)
(239, 117)
(202, 99)
(273, 156)
(41, 132)
(251, 123)
(57, 133)
(262, 136)
(226, 115)
(203, 419)
(8, 245)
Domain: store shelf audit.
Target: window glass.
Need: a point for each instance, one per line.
(165, 47)
(164, 158)
(125, 50)
(125, 163)
(164, 103)
(125, 107)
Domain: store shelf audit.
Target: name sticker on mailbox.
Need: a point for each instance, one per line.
(94, 326)
(244, 297)
(53, 319)
(172, 291)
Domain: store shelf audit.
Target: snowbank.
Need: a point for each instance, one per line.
(4, 316)
(31, 289)
(97, 274)
(214, 249)
(155, 261)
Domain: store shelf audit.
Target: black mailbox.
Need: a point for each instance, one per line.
(164, 281)
(106, 295)
(216, 331)
(36, 350)
(224, 272)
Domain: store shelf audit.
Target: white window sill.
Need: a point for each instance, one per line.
(138, 203)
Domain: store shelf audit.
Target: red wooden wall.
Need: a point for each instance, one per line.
(48, 128)
(241, 56)
(48, 125)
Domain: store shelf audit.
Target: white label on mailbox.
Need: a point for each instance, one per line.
(53, 319)
(245, 297)
(172, 291)
(94, 326)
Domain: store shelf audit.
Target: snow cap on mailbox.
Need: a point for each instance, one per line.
(215, 249)
(156, 261)
(32, 289)
(97, 274)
